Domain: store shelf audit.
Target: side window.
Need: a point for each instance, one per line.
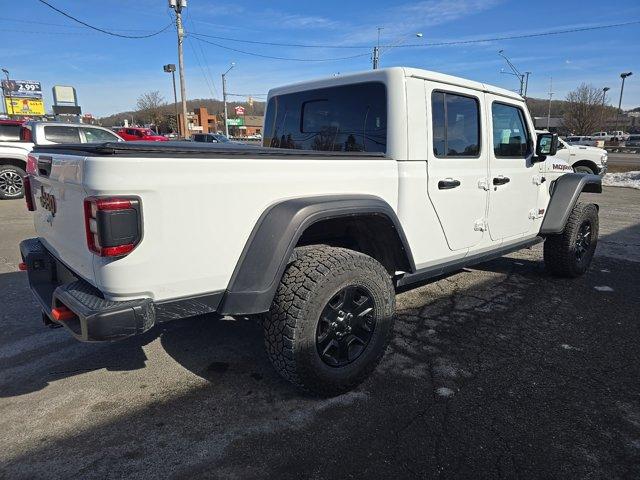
(96, 135)
(455, 121)
(60, 134)
(510, 134)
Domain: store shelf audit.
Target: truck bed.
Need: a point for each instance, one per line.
(192, 150)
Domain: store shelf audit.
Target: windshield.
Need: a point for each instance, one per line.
(149, 133)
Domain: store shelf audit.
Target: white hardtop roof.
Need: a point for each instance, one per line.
(373, 75)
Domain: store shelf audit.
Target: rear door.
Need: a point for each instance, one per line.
(513, 192)
(457, 163)
(59, 216)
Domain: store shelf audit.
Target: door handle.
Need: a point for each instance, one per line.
(500, 180)
(448, 183)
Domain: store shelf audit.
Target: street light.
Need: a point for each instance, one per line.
(224, 97)
(171, 68)
(377, 49)
(623, 76)
(516, 73)
(604, 97)
(6, 72)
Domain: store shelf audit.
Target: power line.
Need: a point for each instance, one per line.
(279, 58)
(524, 35)
(426, 44)
(100, 29)
(49, 24)
(204, 60)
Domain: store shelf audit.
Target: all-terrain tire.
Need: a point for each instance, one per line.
(292, 326)
(11, 182)
(569, 253)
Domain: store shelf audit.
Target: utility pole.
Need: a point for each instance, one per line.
(10, 115)
(177, 6)
(526, 84)
(375, 58)
(550, 95)
(171, 68)
(224, 100)
(623, 76)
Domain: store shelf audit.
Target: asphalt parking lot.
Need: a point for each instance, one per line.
(496, 372)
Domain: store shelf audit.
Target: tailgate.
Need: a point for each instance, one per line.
(59, 217)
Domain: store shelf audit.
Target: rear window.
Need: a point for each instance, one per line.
(62, 134)
(349, 118)
(10, 133)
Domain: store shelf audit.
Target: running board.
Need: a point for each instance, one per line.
(455, 265)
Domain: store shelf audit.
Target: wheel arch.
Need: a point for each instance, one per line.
(587, 163)
(303, 221)
(564, 196)
(13, 161)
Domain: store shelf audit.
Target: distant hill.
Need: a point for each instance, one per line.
(213, 107)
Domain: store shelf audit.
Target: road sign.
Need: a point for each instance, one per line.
(22, 88)
(24, 106)
(235, 122)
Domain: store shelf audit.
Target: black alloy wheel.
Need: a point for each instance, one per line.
(583, 240)
(345, 327)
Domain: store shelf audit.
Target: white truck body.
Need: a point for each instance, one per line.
(237, 191)
(426, 175)
(583, 158)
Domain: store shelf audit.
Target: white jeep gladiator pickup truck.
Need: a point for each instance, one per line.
(367, 184)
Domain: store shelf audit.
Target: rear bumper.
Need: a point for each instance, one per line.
(94, 318)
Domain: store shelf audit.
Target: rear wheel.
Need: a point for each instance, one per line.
(11, 182)
(331, 319)
(569, 253)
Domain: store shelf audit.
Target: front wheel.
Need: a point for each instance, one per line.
(583, 169)
(11, 182)
(569, 253)
(331, 319)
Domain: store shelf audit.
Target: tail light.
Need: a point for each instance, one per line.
(113, 225)
(28, 193)
(32, 165)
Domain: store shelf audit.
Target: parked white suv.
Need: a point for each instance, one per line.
(379, 181)
(13, 154)
(583, 159)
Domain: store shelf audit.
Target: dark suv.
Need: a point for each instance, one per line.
(209, 138)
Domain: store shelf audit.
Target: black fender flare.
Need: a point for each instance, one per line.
(564, 195)
(271, 243)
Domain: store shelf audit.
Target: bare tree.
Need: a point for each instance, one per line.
(152, 107)
(584, 111)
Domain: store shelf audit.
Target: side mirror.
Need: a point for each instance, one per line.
(546, 145)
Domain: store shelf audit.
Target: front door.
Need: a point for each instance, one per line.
(513, 190)
(457, 163)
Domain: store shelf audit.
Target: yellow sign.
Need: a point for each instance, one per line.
(24, 106)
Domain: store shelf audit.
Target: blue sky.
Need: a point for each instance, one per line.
(109, 73)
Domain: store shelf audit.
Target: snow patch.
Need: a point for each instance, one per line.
(603, 288)
(626, 179)
(445, 392)
(566, 346)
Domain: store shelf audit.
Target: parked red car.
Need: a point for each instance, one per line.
(138, 133)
